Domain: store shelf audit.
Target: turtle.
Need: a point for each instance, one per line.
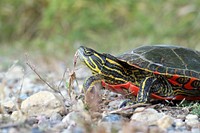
(162, 72)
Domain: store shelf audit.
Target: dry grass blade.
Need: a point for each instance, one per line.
(72, 76)
(42, 79)
(121, 110)
(50, 86)
(58, 88)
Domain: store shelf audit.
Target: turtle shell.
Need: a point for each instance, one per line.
(166, 60)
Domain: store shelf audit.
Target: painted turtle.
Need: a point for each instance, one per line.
(148, 72)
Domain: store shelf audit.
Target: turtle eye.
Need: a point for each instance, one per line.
(88, 53)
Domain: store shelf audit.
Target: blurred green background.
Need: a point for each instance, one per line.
(58, 27)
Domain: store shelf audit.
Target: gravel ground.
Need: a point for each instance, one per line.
(30, 105)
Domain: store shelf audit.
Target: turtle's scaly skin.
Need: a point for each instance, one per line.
(159, 72)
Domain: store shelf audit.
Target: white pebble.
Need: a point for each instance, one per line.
(179, 122)
(191, 117)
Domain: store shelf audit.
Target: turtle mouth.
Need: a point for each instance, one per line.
(81, 55)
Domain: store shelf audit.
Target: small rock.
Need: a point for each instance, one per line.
(110, 126)
(60, 126)
(36, 130)
(181, 117)
(41, 103)
(114, 104)
(18, 116)
(112, 118)
(9, 105)
(74, 118)
(192, 120)
(111, 122)
(195, 130)
(55, 118)
(165, 122)
(31, 121)
(13, 130)
(4, 118)
(135, 127)
(79, 105)
(192, 123)
(43, 122)
(148, 116)
(191, 117)
(179, 122)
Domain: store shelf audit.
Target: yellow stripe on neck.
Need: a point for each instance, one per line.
(113, 62)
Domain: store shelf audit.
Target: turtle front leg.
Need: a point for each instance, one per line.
(91, 82)
(158, 85)
(91, 89)
(145, 87)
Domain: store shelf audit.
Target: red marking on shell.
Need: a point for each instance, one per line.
(173, 81)
(188, 84)
(134, 90)
(177, 97)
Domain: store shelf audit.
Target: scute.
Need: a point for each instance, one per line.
(165, 59)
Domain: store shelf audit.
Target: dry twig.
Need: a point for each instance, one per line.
(72, 75)
(42, 79)
(119, 111)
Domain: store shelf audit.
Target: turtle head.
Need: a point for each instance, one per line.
(111, 68)
(94, 60)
